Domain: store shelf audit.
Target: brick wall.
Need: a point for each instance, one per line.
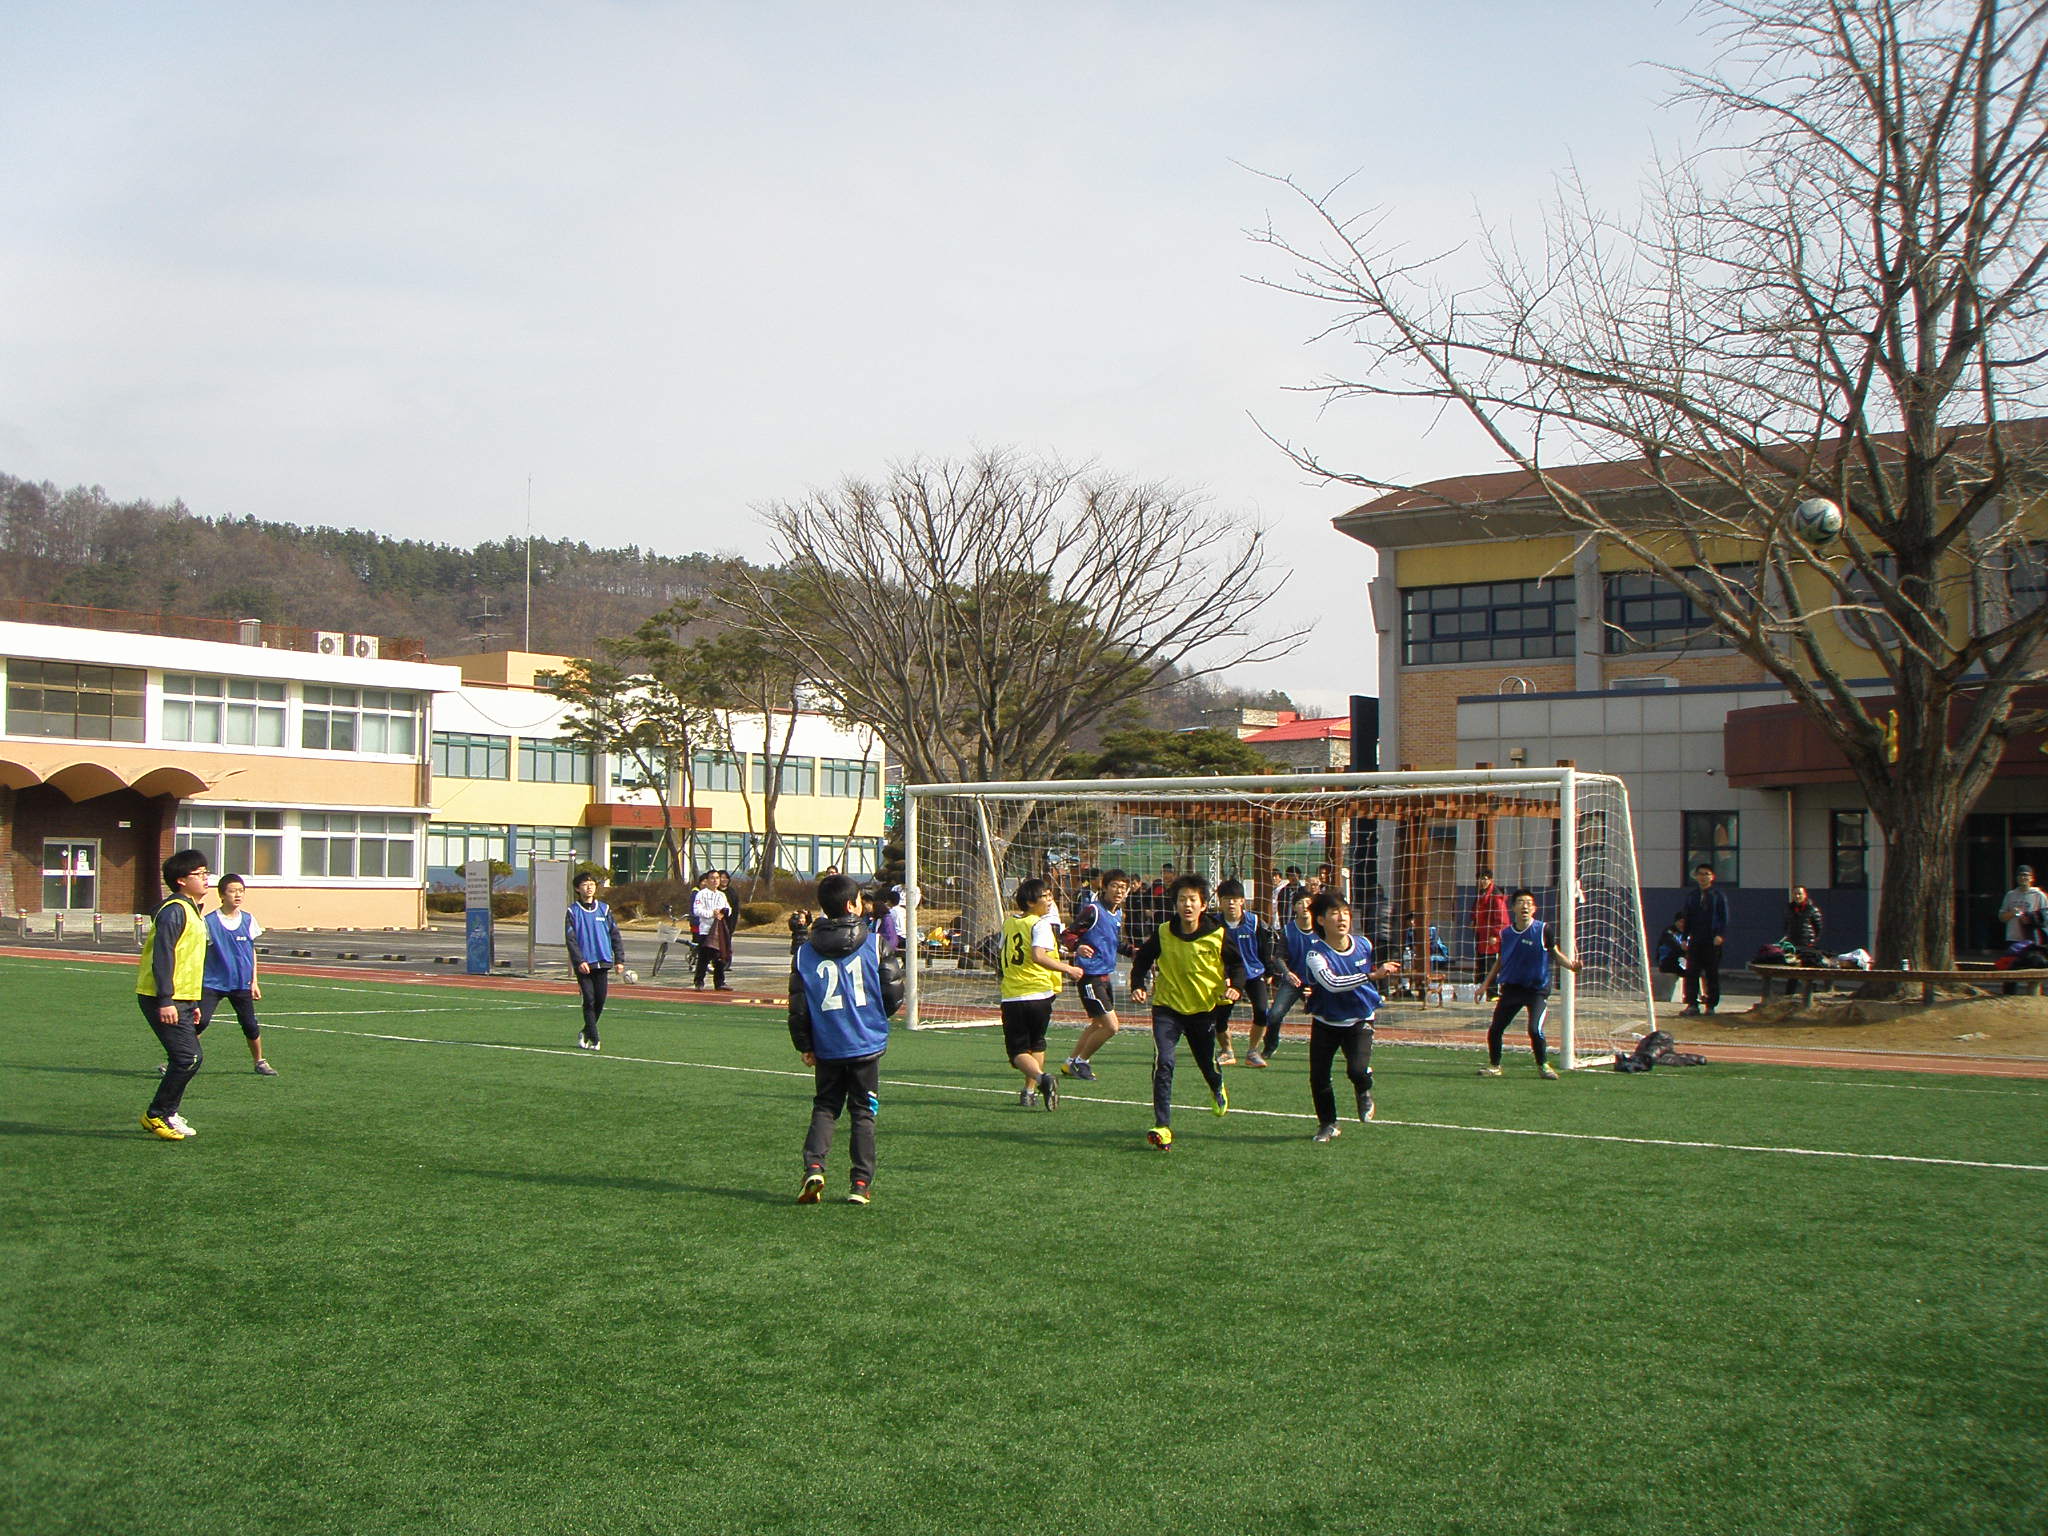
(1717, 668)
(129, 873)
(1429, 704)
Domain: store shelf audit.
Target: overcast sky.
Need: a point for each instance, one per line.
(376, 265)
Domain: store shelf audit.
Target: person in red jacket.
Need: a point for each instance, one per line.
(1489, 916)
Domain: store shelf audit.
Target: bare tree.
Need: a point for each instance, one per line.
(1843, 298)
(978, 611)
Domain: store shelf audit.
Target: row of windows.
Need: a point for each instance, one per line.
(450, 845)
(1714, 838)
(325, 845)
(1532, 620)
(461, 755)
(93, 703)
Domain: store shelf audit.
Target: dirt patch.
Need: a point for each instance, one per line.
(1959, 1026)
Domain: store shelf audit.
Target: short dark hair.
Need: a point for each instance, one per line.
(1294, 869)
(227, 880)
(1229, 888)
(1199, 884)
(585, 876)
(1703, 864)
(1028, 894)
(1115, 874)
(1487, 874)
(1522, 890)
(186, 861)
(1324, 904)
(836, 894)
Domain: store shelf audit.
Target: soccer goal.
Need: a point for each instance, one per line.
(1406, 848)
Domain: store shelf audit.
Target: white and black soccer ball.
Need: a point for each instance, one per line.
(1817, 521)
(633, 978)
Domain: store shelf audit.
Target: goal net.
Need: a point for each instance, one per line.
(1407, 849)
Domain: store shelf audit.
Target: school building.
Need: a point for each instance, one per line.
(1507, 640)
(507, 784)
(293, 757)
(343, 775)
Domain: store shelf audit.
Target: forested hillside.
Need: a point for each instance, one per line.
(81, 546)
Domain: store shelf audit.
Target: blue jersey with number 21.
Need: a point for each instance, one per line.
(844, 995)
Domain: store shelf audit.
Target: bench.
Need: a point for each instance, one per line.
(1807, 977)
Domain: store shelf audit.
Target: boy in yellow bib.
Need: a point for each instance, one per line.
(1032, 975)
(168, 981)
(1197, 976)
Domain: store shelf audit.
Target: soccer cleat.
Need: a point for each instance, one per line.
(1048, 1091)
(1161, 1137)
(858, 1195)
(1027, 1098)
(1365, 1105)
(1327, 1133)
(1222, 1098)
(179, 1124)
(597, 1045)
(1075, 1067)
(163, 1070)
(1492, 1070)
(1546, 1071)
(1226, 1057)
(814, 1188)
(1254, 1059)
(163, 1128)
(265, 1069)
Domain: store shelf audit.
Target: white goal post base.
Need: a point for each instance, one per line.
(1406, 848)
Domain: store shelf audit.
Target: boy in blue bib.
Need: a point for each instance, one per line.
(1522, 973)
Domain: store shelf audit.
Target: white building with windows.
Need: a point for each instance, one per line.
(508, 785)
(290, 757)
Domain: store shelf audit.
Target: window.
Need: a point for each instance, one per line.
(717, 770)
(452, 844)
(721, 850)
(1848, 849)
(1713, 837)
(1487, 621)
(628, 774)
(338, 845)
(235, 842)
(2027, 576)
(796, 775)
(1647, 613)
(62, 698)
(553, 762)
(1148, 826)
(460, 756)
(224, 711)
(359, 720)
(849, 778)
(549, 843)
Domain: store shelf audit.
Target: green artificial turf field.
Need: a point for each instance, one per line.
(448, 1274)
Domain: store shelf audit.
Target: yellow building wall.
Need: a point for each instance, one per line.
(1450, 565)
(249, 776)
(299, 906)
(510, 801)
(808, 814)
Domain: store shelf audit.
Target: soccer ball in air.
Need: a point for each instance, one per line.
(1817, 520)
(632, 978)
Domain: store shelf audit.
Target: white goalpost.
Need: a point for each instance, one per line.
(1406, 848)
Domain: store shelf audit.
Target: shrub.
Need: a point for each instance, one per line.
(755, 914)
(445, 901)
(508, 904)
(625, 911)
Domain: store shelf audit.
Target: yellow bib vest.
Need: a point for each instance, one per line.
(188, 960)
(1190, 977)
(1022, 975)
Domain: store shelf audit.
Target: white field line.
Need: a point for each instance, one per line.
(1268, 1114)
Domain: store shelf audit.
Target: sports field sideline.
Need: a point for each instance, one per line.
(448, 1273)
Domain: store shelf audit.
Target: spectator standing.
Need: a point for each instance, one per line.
(1803, 921)
(2024, 910)
(1489, 917)
(711, 922)
(1705, 920)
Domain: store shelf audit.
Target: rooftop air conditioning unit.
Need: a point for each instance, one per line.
(363, 647)
(1640, 684)
(329, 642)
